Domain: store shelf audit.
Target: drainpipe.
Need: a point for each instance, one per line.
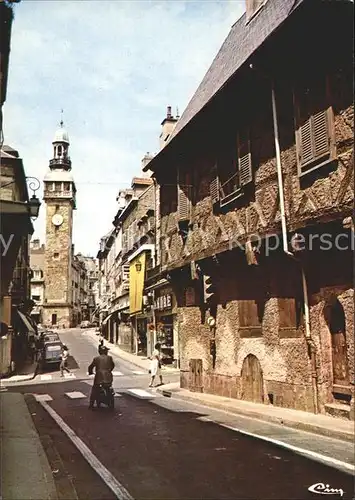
(309, 340)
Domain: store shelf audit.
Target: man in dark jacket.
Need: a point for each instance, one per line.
(103, 365)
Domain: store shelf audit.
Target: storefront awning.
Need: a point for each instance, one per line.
(106, 319)
(26, 323)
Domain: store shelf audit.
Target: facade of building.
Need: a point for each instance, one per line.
(83, 286)
(15, 229)
(59, 308)
(16, 211)
(255, 230)
(37, 255)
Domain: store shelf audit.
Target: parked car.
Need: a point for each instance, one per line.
(50, 336)
(85, 324)
(51, 352)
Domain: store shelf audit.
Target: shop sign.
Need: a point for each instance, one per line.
(190, 296)
(163, 302)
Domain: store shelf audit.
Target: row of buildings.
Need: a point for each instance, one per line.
(17, 210)
(235, 250)
(62, 285)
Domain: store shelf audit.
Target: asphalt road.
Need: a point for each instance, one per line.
(159, 448)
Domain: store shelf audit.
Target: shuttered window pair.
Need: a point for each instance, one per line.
(233, 170)
(314, 129)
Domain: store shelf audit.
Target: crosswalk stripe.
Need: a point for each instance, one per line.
(69, 375)
(75, 395)
(46, 377)
(117, 374)
(137, 372)
(43, 397)
(141, 393)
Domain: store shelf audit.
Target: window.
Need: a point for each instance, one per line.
(290, 317)
(56, 255)
(233, 169)
(184, 196)
(250, 317)
(36, 297)
(315, 141)
(54, 319)
(168, 199)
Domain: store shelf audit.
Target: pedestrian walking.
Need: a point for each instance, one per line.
(155, 365)
(64, 362)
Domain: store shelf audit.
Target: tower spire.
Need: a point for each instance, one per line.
(61, 118)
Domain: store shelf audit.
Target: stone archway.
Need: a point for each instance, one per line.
(335, 318)
(252, 380)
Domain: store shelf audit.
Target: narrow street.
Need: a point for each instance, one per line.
(156, 447)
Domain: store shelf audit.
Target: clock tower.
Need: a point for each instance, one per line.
(59, 196)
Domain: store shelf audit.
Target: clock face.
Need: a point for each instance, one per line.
(57, 219)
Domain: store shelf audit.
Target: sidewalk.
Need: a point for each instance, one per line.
(318, 424)
(27, 372)
(140, 362)
(24, 469)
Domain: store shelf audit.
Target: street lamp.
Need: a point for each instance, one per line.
(33, 202)
(138, 266)
(33, 206)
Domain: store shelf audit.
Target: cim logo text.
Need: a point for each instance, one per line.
(325, 489)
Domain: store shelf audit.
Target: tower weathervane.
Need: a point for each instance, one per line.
(61, 119)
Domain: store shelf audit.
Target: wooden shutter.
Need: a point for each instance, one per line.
(320, 133)
(245, 169)
(306, 150)
(214, 190)
(244, 158)
(287, 312)
(184, 202)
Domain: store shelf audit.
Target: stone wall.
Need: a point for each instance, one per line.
(320, 201)
(57, 269)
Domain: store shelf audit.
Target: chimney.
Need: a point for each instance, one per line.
(168, 125)
(252, 7)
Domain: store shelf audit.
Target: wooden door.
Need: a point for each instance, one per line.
(339, 348)
(252, 380)
(340, 359)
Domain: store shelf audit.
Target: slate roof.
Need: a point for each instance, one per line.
(243, 40)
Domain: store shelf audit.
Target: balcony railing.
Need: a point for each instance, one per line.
(66, 162)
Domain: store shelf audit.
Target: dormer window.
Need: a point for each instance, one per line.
(253, 7)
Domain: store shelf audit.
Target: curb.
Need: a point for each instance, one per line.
(312, 428)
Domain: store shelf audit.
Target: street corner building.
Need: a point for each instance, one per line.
(256, 196)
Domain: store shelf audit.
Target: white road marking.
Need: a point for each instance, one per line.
(75, 395)
(43, 397)
(296, 449)
(117, 374)
(46, 377)
(69, 375)
(115, 486)
(137, 372)
(141, 393)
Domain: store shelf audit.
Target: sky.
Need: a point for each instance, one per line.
(113, 67)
